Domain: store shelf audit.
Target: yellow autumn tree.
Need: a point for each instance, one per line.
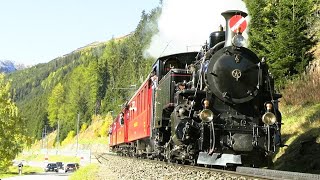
(11, 127)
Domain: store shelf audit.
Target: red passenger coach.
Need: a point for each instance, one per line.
(133, 123)
(121, 132)
(112, 134)
(140, 128)
(139, 113)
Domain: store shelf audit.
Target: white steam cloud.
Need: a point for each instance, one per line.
(185, 25)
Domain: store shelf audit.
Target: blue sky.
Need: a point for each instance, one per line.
(37, 31)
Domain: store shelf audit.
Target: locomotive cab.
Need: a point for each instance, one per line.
(171, 72)
(176, 61)
(171, 63)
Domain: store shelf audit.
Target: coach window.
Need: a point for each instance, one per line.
(138, 105)
(121, 119)
(110, 130)
(142, 100)
(128, 115)
(146, 96)
(133, 105)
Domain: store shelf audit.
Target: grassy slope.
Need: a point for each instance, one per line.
(13, 171)
(88, 139)
(301, 129)
(301, 132)
(88, 172)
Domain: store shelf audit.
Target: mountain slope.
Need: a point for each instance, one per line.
(80, 83)
(33, 85)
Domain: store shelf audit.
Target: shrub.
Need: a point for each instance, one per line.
(304, 89)
(103, 132)
(69, 138)
(83, 127)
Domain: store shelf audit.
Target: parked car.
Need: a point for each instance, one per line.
(59, 165)
(51, 167)
(70, 167)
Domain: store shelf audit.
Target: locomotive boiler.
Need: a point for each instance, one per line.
(214, 107)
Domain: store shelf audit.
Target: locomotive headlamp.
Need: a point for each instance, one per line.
(206, 103)
(269, 106)
(181, 111)
(206, 115)
(238, 40)
(269, 118)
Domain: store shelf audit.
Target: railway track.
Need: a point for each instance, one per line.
(240, 173)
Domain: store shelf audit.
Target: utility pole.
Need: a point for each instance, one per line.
(58, 133)
(46, 138)
(78, 132)
(42, 136)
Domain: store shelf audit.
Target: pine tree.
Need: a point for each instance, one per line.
(55, 102)
(279, 31)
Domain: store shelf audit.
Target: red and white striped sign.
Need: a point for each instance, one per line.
(237, 21)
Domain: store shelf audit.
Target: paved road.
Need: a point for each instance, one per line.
(41, 176)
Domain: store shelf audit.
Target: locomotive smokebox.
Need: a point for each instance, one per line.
(229, 33)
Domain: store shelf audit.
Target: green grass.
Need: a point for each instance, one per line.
(96, 140)
(51, 158)
(301, 132)
(87, 172)
(13, 171)
(298, 120)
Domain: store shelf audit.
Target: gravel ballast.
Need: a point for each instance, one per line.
(117, 167)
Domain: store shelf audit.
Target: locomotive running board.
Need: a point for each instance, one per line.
(218, 159)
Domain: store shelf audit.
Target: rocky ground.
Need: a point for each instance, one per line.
(115, 167)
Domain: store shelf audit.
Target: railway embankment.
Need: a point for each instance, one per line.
(90, 141)
(300, 107)
(301, 135)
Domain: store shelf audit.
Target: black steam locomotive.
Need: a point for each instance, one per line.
(221, 109)
(214, 107)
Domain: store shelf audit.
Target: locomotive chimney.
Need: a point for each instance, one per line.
(229, 33)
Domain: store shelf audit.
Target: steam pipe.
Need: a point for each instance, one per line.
(229, 33)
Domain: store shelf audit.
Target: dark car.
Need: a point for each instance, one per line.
(70, 167)
(59, 165)
(51, 167)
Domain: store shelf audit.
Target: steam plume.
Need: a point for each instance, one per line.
(185, 25)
